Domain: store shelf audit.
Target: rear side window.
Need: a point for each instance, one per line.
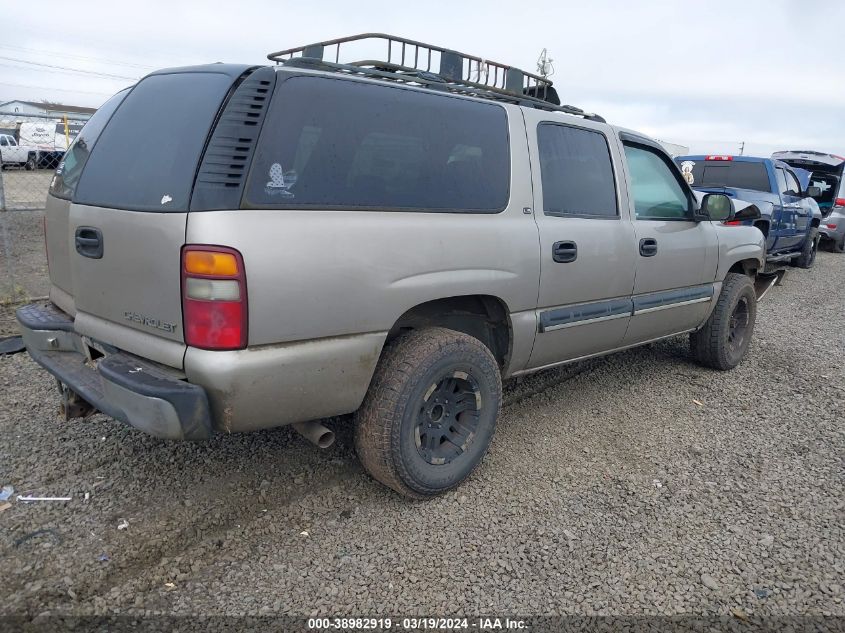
(780, 176)
(69, 169)
(146, 157)
(335, 144)
(576, 172)
(734, 174)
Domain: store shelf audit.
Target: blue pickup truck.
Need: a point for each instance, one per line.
(790, 216)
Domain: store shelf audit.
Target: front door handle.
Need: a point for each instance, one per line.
(648, 247)
(89, 242)
(564, 252)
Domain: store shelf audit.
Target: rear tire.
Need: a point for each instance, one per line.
(839, 247)
(808, 254)
(29, 165)
(430, 413)
(723, 341)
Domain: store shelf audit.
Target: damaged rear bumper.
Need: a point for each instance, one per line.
(125, 387)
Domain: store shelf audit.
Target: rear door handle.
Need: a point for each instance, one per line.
(89, 242)
(564, 252)
(648, 247)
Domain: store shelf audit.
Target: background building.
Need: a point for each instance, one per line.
(44, 109)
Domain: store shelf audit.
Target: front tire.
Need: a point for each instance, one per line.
(430, 413)
(808, 254)
(723, 341)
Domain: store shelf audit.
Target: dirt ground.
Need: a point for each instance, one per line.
(23, 263)
(637, 484)
(26, 189)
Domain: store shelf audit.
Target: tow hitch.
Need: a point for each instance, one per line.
(72, 405)
(764, 282)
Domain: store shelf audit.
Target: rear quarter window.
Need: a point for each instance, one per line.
(146, 158)
(335, 144)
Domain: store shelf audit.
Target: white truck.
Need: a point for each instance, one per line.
(14, 154)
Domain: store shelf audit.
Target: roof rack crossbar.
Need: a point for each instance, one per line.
(463, 73)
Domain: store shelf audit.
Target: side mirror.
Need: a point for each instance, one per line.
(813, 191)
(717, 207)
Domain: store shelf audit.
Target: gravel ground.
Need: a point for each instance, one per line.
(637, 484)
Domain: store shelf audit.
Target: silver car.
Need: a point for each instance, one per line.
(233, 248)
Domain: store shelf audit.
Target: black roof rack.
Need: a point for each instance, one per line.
(415, 62)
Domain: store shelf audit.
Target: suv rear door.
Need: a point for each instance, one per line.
(126, 223)
(586, 239)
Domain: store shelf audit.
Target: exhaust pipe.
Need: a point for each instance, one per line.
(315, 433)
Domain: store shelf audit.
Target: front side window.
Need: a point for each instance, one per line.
(336, 144)
(576, 172)
(655, 186)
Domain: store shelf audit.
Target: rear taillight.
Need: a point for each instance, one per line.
(719, 157)
(214, 300)
(840, 202)
(830, 226)
(733, 223)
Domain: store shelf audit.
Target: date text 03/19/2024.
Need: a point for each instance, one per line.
(417, 624)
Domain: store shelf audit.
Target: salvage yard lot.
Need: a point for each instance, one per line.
(634, 484)
(26, 189)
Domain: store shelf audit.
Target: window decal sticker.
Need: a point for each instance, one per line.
(280, 182)
(686, 170)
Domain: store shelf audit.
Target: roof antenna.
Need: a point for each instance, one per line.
(545, 65)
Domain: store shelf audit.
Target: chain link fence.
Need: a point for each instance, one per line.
(31, 147)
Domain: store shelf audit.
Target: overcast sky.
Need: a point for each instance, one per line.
(707, 74)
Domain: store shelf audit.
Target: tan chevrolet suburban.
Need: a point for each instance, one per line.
(236, 247)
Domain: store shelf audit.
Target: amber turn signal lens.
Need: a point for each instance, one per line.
(211, 263)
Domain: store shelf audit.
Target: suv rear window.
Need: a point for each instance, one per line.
(734, 174)
(69, 169)
(146, 158)
(337, 144)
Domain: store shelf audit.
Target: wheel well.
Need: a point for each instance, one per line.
(763, 226)
(482, 316)
(815, 223)
(745, 267)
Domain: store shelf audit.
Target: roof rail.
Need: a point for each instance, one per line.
(416, 62)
